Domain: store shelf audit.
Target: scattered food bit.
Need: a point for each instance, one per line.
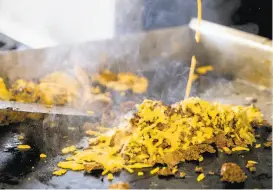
(71, 165)
(90, 112)
(154, 171)
(204, 69)
(93, 133)
(231, 172)
(120, 185)
(268, 144)
(211, 173)
(257, 145)
(252, 162)
(43, 156)
(140, 173)
(123, 93)
(200, 177)
(201, 159)
(227, 150)
(198, 169)
(122, 81)
(251, 165)
(21, 137)
(182, 174)
(65, 137)
(165, 171)
(239, 148)
(68, 149)
(110, 177)
(252, 169)
(23, 147)
(59, 172)
(28, 179)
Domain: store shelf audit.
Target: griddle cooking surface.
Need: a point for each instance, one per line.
(25, 170)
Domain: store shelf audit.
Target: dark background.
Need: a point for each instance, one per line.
(253, 16)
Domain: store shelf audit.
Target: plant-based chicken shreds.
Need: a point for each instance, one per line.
(170, 134)
(122, 81)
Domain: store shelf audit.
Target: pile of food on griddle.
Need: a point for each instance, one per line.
(155, 134)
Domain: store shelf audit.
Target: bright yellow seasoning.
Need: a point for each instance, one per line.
(201, 159)
(59, 172)
(23, 147)
(200, 177)
(257, 145)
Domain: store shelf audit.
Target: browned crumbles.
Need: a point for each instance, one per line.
(231, 172)
(120, 185)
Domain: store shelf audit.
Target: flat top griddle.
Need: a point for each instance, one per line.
(242, 69)
(24, 169)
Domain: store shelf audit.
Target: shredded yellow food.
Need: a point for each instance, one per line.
(23, 147)
(182, 174)
(70, 165)
(239, 148)
(154, 171)
(122, 81)
(204, 69)
(200, 177)
(68, 149)
(43, 156)
(201, 159)
(140, 173)
(227, 150)
(21, 137)
(59, 172)
(110, 176)
(4, 93)
(163, 134)
(59, 88)
(257, 145)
